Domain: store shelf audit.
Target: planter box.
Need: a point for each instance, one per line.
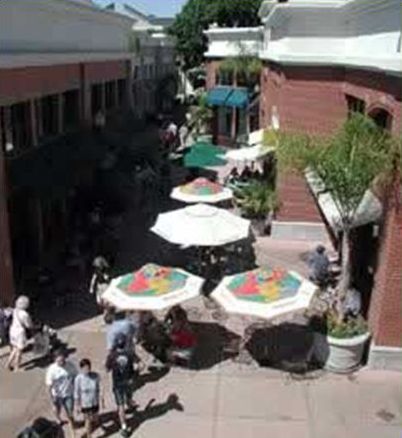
(258, 226)
(340, 355)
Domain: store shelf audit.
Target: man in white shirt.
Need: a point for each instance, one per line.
(60, 382)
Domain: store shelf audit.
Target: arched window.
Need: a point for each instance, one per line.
(382, 118)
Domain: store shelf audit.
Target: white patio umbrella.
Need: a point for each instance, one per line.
(201, 225)
(265, 293)
(201, 190)
(153, 287)
(250, 153)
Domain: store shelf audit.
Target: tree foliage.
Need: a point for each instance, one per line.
(244, 68)
(347, 163)
(197, 15)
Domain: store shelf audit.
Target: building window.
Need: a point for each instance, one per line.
(109, 95)
(382, 118)
(96, 98)
(355, 105)
(224, 120)
(241, 122)
(121, 92)
(21, 126)
(71, 110)
(225, 78)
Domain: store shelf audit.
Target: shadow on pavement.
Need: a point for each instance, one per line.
(213, 341)
(152, 376)
(150, 412)
(286, 347)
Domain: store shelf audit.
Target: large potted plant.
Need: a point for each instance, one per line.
(257, 201)
(348, 164)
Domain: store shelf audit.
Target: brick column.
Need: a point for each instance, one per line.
(233, 127)
(34, 124)
(60, 113)
(128, 98)
(116, 95)
(39, 118)
(6, 268)
(103, 97)
(385, 315)
(85, 99)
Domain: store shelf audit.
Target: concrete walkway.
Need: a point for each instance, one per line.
(227, 400)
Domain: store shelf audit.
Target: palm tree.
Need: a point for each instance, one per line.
(244, 69)
(244, 66)
(349, 164)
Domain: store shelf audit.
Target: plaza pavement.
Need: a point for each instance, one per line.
(229, 400)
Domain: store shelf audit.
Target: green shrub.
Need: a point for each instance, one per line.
(348, 328)
(256, 199)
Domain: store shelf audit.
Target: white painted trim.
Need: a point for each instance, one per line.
(233, 30)
(385, 358)
(302, 231)
(43, 59)
(391, 64)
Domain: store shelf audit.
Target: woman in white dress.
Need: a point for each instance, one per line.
(21, 322)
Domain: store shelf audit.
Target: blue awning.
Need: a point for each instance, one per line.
(238, 98)
(228, 96)
(217, 96)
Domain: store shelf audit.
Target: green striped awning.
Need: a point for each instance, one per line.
(217, 96)
(228, 96)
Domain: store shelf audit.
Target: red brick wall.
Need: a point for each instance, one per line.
(105, 71)
(312, 99)
(296, 201)
(307, 99)
(23, 83)
(385, 315)
(378, 91)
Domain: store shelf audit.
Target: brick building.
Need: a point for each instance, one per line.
(235, 102)
(61, 63)
(323, 60)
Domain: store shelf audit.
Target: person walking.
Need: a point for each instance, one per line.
(120, 363)
(18, 334)
(60, 382)
(100, 280)
(87, 396)
(122, 325)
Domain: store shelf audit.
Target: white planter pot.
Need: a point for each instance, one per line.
(340, 355)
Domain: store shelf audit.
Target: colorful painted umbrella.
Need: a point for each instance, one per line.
(265, 293)
(153, 287)
(201, 190)
(201, 225)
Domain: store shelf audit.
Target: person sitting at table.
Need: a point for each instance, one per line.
(183, 342)
(246, 174)
(154, 337)
(233, 176)
(174, 315)
(255, 173)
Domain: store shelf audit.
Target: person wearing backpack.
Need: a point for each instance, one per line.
(120, 363)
